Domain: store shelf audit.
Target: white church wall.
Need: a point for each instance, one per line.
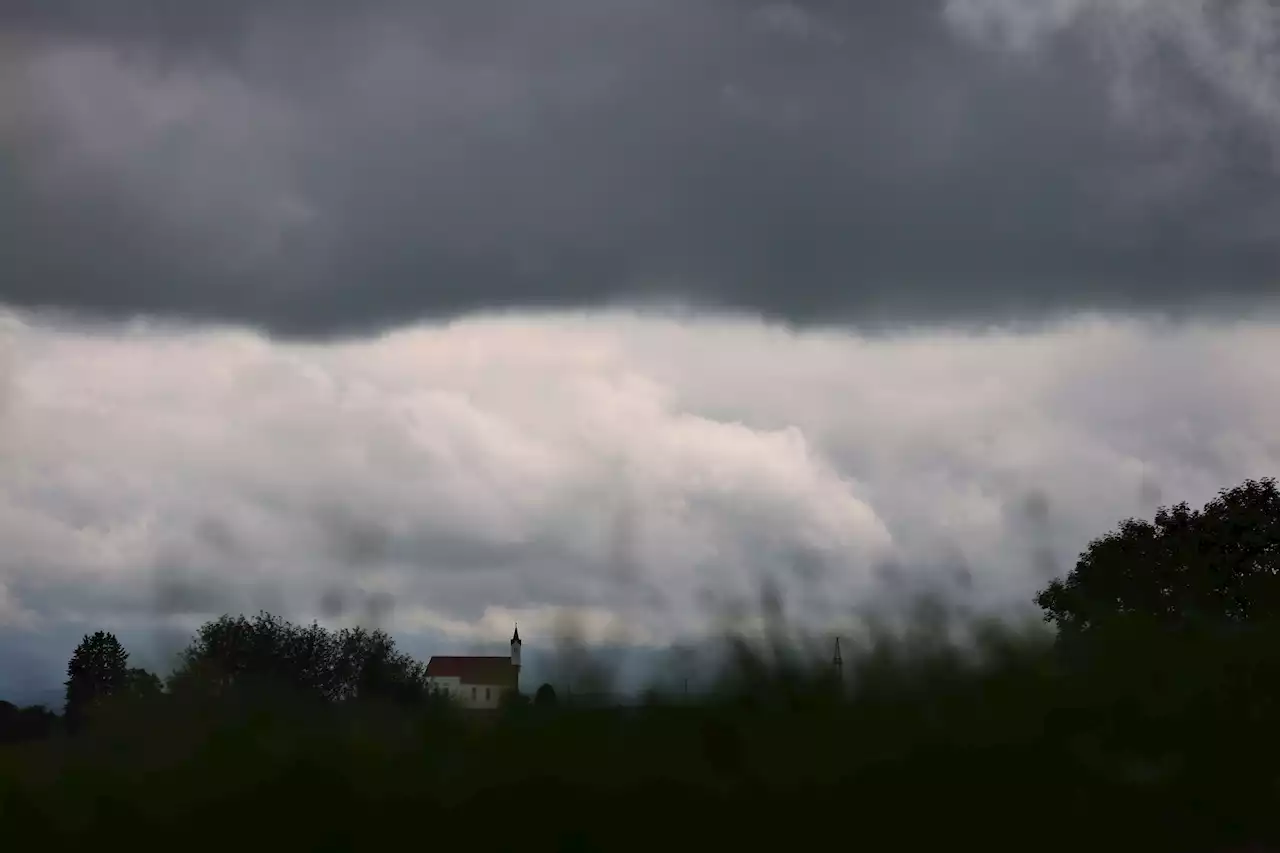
(450, 686)
(477, 696)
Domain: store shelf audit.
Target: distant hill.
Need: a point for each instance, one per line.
(48, 697)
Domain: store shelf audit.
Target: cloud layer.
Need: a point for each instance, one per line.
(265, 174)
(448, 480)
(319, 167)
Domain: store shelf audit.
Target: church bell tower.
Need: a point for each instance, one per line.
(515, 648)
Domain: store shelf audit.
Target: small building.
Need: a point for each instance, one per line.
(476, 682)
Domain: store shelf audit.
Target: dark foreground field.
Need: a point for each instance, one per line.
(1143, 740)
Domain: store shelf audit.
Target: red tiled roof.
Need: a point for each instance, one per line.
(497, 671)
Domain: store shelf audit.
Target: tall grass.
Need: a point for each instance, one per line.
(992, 737)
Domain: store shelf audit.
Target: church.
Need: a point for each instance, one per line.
(476, 682)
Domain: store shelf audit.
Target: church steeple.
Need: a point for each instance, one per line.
(837, 663)
(515, 647)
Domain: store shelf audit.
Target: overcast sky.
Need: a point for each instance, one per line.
(464, 311)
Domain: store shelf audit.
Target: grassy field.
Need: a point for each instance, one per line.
(1140, 741)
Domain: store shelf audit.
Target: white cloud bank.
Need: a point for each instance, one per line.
(452, 479)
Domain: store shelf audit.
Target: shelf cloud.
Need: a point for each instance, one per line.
(437, 316)
(323, 168)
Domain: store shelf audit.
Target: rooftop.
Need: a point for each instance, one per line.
(496, 670)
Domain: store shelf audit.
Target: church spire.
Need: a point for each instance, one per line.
(837, 662)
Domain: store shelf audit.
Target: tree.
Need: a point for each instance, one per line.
(545, 697)
(99, 668)
(372, 668)
(236, 652)
(141, 684)
(266, 651)
(1190, 568)
(30, 723)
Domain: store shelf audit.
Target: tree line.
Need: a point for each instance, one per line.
(227, 655)
(236, 655)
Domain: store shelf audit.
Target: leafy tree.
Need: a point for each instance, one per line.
(30, 723)
(141, 684)
(266, 651)
(236, 652)
(1190, 568)
(545, 697)
(98, 668)
(370, 667)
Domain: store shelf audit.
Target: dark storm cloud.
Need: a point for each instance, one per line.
(814, 161)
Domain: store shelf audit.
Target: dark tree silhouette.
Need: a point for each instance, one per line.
(237, 652)
(141, 684)
(266, 651)
(1210, 567)
(545, 697)
(372, 668)
(30, 723)
(98, 668)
